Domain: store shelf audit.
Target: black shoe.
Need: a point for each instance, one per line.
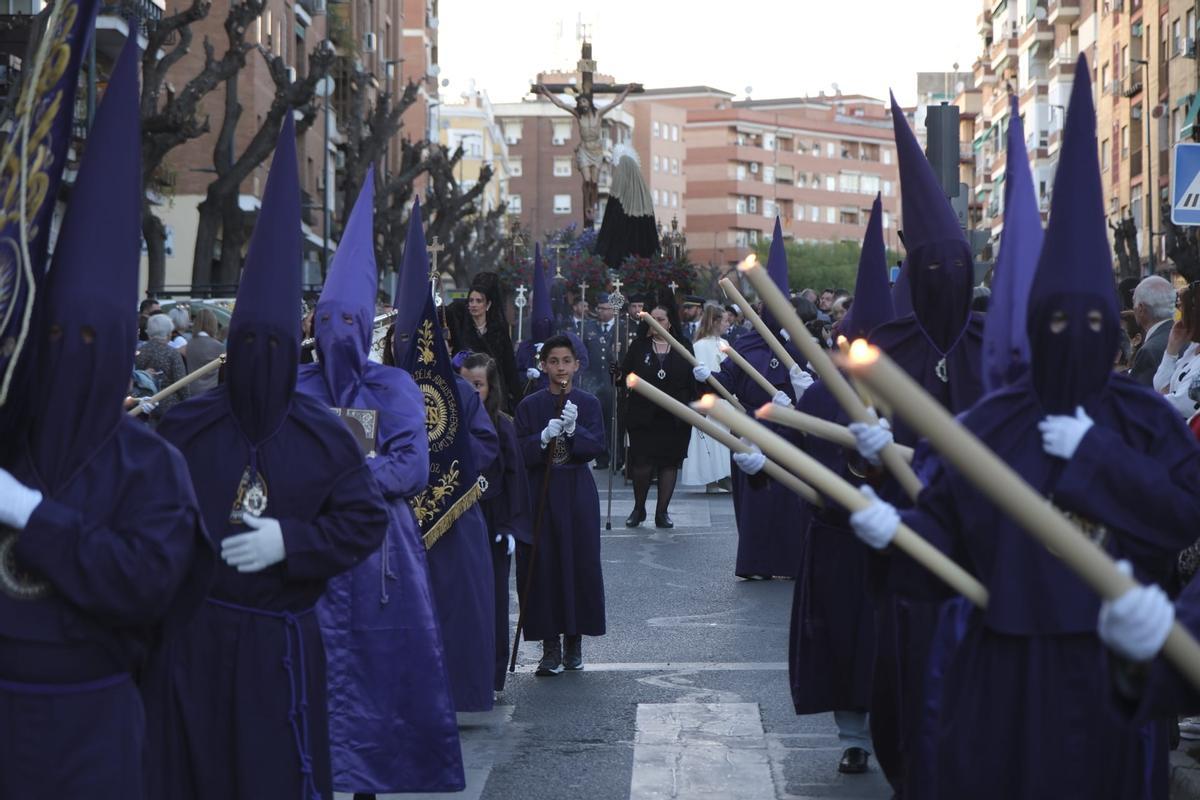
(551, 663)
(663, 521)
(573, 653)
(636, 518)
(854, 761)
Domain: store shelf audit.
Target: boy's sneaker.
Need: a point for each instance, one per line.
(573, 655)
(551, 663)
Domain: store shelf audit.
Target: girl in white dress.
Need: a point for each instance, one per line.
(707, 462)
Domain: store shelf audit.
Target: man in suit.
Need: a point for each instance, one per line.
(689, 314)
(579, 323)
(601, 342)
(1153, 310)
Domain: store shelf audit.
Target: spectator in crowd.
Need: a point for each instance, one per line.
(204, 347)
(145, 309)
(707, 463)
(163, 361)
(182, 320)
(839, 308)
(825, 302)
(1124, 352)
(734, 325)
(1153, 308)
(981, 299)
(1182, 355)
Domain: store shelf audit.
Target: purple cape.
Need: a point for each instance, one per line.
(567, 596)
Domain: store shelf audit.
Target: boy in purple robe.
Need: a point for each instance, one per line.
(1024, 709)
(241, 714)
(831, 644)
(506, 501)
(102, 551)
(770, 517)
(391, 718)
(560, 430)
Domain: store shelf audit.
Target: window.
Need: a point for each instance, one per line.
(887, 220)
(848, 217)
(814, 214)
(753, 206)
(514, 203)
(1175, 125)
(830, 182)
(816, 148)
(654, 194)
(1124, 142)
(1104, 78)
(741, 172)
(512, 131)
(562, 166)
(1105, 151)
(740, 206)
(516, 167)
(674, 166)
(848, 183)
(769, 208)
(562, 204)
(654, 129)
(769, 174)
(868, 184)
(270, 42)
(800, 213)
(830, 150)
(887, 188)
(674, 199)
(674, 133)
(831, 215)
(562, 132)
(654, 164)
(887, 156)
(1189, 27)
(801, 180)
(768, 141)
(753, 236)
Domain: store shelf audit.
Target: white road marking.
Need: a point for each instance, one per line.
(700, 751)
(675, 666)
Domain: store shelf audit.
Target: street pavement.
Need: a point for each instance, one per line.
(687, 696)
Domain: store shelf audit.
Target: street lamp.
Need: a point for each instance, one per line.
(1146, 116)
(324, 89)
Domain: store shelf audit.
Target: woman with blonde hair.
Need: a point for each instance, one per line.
(707, 462)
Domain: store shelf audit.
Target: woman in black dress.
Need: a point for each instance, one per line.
(658, 440)
(483, 329)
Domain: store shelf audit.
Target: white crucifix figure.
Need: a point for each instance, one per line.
(583, 287)
(673, 286)
(434, 249)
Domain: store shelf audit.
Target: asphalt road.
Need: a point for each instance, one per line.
(687, 695)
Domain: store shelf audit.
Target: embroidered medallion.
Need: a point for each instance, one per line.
(15, 581)
(774, 363)
(662, 374)
(251, 497)
(940, 371)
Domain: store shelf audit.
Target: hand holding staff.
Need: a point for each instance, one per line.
(1011, 494)
(689, 357)
(179, 384)
(769, 336)
(749, 369)
(815, 426)
(827, 482)
(716, 432)
(820, 361)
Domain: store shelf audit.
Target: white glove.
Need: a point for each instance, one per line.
(781, 399)
(553, 430)
(783, 334)
(876, 524)
(262, 547)
(570, 414)
(750, 463)
(533, 373)
(147, 406)
(17, 501)
(701, 373)
(1136, 624)
(511, 547)
(871, 439)
(800, 379)
(1061, 435)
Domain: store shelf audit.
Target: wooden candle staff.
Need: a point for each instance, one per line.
(689, 357)
(769, 336)
(1007, 490)
(719, 434)
(839, 387)
(749, 369)
(815, 426)
(834, 486)
(158, 397)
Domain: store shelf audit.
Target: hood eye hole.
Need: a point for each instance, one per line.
(87, 334)
(933, 265)
(272, 342)
(1095, 320)
(56, 332)
(249, 338)
(1058, 322)
(348, 319)
(325, 317)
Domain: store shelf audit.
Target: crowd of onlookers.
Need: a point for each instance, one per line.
(172, 344)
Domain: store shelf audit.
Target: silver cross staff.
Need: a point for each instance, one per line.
(583, 287)
(520, 303)
(434, 251)
(673, 286)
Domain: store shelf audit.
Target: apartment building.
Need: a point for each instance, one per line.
(659, 136)
(472, 125)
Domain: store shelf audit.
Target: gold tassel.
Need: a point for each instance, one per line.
(452, 514)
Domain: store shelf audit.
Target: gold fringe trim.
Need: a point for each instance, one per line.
(452, 514)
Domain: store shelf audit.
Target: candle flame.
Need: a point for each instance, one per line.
(748, 263)
(863, 353)
(764, 412)
(707, 403)
(631, 380)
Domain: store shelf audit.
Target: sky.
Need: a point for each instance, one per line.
(778, 48)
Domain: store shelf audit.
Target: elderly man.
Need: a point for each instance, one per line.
(158, 356)
(1153, 308)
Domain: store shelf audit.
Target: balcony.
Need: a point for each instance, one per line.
(1131, 84)
(1064, 57)
(1002, 52)
(1062, 12)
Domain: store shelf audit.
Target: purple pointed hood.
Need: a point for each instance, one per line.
(412, 285)
(1005, 342)
(777, 268)
(264, 333)
(940, 267)
(872, 305)
(88, 325)
(541, 318)
(1072, 319)
(345, 313)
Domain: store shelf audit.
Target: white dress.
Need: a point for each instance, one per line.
(707, 461)
(1174, 377)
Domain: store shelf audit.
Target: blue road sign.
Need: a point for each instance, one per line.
(1185, 184)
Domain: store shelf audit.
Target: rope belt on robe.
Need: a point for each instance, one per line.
(65, 688)
(298, 712)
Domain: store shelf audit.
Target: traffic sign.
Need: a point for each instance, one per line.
(1185, 184)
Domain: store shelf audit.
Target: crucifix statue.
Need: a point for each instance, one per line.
(558, 248)
(434, 249)
(583, 287)
(589, 153)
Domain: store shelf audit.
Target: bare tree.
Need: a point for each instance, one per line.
(219, 212)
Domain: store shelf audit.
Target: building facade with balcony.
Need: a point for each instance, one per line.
(472, 125)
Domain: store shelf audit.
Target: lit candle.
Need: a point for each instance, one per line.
(719, 434)
(815, 426)
(820, 361)
(1006, 489)
(835, 487)
(769, 336)
(844, 348)
(749, 369)
(689, 357)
